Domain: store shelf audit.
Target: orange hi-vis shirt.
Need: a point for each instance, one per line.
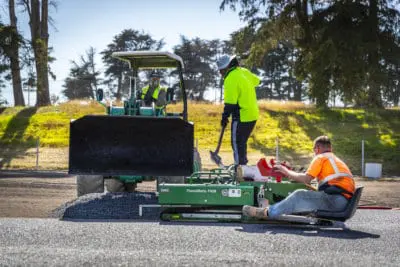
(328, 168)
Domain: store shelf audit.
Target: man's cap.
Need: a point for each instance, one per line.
(223, 62)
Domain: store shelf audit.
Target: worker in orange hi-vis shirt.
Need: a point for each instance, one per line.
(335, 185)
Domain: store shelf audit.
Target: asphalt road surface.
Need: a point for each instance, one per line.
(372, 238)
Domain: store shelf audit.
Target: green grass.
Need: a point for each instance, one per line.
(24, 126)
(295, 124)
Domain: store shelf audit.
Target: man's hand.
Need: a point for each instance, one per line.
(139, 94)
(224, 121)
(298, 177)
(281, 169)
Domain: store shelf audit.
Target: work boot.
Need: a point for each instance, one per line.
(254, 212)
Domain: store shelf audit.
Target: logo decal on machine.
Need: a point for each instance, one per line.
(201, 191)
(231, 192)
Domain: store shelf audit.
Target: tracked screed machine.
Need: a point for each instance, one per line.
(134, 143)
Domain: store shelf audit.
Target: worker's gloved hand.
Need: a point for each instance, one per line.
(224, 121)
(139, 94)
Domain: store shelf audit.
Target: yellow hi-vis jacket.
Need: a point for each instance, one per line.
(159, 95)
(239, 89)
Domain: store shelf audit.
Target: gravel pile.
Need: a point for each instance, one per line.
(109, 206)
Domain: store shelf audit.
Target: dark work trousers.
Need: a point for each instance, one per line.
(240, 133)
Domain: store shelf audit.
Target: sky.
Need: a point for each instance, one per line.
(79, 24)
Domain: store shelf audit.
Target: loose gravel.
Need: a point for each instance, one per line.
(99, 206)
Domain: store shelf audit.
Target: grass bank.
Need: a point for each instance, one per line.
(294, 124)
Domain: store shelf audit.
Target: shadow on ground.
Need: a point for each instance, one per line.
(339, 231)
(13, 134)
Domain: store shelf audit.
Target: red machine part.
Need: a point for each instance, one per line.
(266, 168)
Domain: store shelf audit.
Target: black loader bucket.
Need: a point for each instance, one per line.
(124, 145)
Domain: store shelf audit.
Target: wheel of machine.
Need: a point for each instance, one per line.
(130, 187)
(115, 185)
(86, 184)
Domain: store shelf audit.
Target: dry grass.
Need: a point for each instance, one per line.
(44, 158)
(274, 105)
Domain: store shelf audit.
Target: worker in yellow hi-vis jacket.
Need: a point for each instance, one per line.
(240, 101)
(154, 93)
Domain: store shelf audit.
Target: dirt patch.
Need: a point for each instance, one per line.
(37, 197)
(34, 197)
(380, 193)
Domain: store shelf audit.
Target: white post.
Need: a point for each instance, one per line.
(362, 158)
(37, 153)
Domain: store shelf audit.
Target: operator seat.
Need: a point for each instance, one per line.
(344, 215)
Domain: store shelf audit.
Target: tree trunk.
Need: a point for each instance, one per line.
(296, 84)
(297, 91)
(301, 9)
(40, 37)
(374, 94)
(396, 96)
(14, 58)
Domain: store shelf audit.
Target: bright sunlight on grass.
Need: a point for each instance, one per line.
(294, 124)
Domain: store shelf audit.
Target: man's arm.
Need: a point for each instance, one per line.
(230, 99)
(296, 176)
(228, 110)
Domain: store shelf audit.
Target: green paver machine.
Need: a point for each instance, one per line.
(133, 143)
(218, 197)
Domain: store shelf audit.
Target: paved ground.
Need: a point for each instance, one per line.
(36, 194)
(372, 239)
(29, 237)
